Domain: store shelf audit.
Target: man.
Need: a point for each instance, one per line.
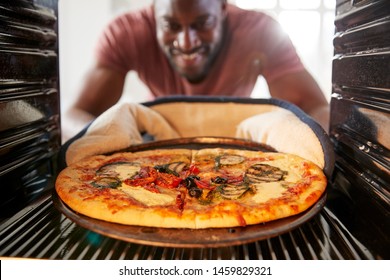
(196, 47)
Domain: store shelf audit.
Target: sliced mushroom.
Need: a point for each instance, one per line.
(264, 173)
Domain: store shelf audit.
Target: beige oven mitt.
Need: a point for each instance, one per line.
(120, 127)
(265, 123)
(283, 131)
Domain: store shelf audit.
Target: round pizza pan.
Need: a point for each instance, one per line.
(193, 238)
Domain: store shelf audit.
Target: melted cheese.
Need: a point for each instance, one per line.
(148, 198)
(126, 171)
(293, 172)
(267, 191)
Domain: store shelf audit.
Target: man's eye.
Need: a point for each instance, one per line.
(205, 24)
(171, 26)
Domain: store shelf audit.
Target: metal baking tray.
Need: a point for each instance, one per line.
(193, 238)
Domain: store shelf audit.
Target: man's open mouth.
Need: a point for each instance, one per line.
(191, 59)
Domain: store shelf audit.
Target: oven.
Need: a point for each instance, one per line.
(353, 223)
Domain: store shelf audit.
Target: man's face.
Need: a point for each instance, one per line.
(190, 33)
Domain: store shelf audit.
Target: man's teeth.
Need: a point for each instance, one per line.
(189, 56)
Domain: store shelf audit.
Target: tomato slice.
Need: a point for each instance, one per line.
(192, 170)
(180, 201)
(204, 185)
(166, 180)
(146, 176)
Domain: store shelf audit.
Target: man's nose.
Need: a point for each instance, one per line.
(188, 39)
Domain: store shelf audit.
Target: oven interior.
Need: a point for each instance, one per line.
(354, 224)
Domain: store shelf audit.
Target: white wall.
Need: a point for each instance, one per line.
(80, 24)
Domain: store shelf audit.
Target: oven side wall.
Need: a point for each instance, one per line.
(29, 101)
(360, 115)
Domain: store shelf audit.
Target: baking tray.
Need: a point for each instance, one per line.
(193, 238)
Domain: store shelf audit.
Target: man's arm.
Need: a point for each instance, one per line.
(101, 89)
(302, 90)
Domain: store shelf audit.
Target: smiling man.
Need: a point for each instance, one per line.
(190, 33)
(192, 48)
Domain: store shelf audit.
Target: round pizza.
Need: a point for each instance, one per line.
(186, 188)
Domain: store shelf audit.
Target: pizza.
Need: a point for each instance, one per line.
(188, 188)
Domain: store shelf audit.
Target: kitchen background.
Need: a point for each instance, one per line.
(309, 24)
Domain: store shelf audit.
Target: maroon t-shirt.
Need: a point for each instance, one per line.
(255, 45)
